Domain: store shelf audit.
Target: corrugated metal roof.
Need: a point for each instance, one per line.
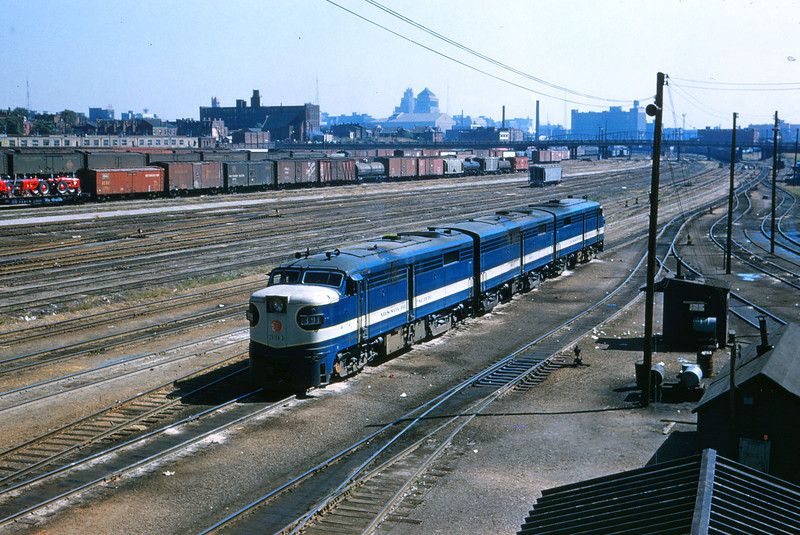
(696, 495)
(780, 365)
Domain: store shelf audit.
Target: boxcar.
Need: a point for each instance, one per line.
(105, 183)
(261, 174)
(192, 176)
(236, 175)
(183, 156)
(37, 163)
(431, 166)
(337, 170)
(519, 164)
(223, 156)
(293, 171)
(114, 160)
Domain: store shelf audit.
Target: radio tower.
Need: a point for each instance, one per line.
(27, 95)
(316, 101)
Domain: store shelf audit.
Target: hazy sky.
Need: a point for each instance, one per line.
(171, 57)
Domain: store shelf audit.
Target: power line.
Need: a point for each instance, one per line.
(763, 84)
(484, 57)
(472, 67)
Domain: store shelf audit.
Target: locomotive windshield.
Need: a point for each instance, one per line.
(326, 278)
(284, 276)
(295, 276)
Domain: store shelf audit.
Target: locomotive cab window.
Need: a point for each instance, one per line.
(451, 257)
(284, 276)
(325, 278)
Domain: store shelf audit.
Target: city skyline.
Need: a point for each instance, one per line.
(354, 56)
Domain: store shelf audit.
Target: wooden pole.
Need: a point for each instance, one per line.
(656, 111)
(774, 181)
(730, 201)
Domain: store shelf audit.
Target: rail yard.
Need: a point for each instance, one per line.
(126, 405)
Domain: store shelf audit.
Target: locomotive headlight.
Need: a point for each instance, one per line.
(308, 318)
(252, 315)
(276, 305)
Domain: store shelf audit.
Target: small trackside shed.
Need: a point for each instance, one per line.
(695, 313)
(762, 432)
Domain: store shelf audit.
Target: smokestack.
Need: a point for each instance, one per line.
(504, 117)
(537, 120)
(764, 347)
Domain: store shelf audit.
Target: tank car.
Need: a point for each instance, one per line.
(325, 316)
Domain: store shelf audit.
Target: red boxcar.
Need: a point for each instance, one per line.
(123, 182)
(519, 163)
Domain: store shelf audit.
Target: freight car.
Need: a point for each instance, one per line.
(544, 175)
(325, 316)
(31, 176)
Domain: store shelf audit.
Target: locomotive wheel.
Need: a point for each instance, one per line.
(62, 187)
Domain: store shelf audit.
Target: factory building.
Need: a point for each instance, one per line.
(296, 123)
(611, 124)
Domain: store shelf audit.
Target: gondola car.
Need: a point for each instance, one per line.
(325, 316)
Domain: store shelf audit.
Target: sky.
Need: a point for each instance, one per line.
(172, 57)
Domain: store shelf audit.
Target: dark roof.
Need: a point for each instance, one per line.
(664, 283)
(696, 495)
(781, 365)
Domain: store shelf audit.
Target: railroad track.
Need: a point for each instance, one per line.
(62, 447)
(115, 470)
(355, 490)
(213, 249)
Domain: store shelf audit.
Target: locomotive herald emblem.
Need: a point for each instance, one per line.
(277, 326)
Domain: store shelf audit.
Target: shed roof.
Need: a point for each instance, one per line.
(696, 495)
(779, 365)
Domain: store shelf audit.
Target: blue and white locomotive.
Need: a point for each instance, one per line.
(325, 316)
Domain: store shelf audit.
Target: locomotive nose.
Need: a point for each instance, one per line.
(279, 316)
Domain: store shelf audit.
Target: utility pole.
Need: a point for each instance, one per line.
(730, 200)
(653, 110)
(794, 167)
(774, 181)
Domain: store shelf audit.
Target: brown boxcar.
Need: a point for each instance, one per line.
(284, 172)
(431, 167)
(210, 175)
(400, 167)
(296, 171)
(337, 171)
(193, 176)
(306, 172)
(104, 183)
